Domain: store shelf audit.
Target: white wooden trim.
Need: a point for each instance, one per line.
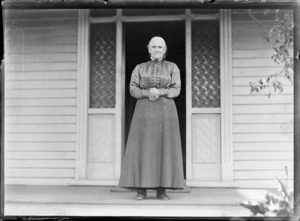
(101, 111)
(226, 95)
(226, 103)
(82, 93)
(123, 98)
(102, 20)
(153, 18)
(188, 51)
(197, 17)
(119, 110)
(37, 181)
(242, 11)
(36, 11)
(39, 155)
(205, 110)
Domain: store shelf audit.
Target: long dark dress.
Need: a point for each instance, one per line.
(153, 155)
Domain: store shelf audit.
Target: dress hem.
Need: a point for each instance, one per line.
(152, 188)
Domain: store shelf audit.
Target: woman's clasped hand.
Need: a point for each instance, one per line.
(153, 94)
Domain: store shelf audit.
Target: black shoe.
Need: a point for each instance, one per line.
(161, 194)
(141, 194)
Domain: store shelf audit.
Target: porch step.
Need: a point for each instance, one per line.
(120, 189)
(103, 201)
(59, 209)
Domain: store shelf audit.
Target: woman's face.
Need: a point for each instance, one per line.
(157, 49)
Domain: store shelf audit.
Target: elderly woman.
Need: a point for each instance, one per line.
(153, 155)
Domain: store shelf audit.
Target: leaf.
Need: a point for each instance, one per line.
(274, 207)
(291, 195)
(254, 207)
(282, 187)
(286, 171)
(271, 198)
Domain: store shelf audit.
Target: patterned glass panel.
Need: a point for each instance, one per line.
(103, 65)
(205, 64)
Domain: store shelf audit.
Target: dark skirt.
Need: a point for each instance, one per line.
(153, 155)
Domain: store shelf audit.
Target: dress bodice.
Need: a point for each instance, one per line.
(163, 75)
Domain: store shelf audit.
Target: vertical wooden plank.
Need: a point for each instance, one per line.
(123, 80)
(119, 96)
(82, 93)
(188, 62)
(297, 109)
(226, 94)
(2, 141)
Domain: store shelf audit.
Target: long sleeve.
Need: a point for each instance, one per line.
(135, 90)
(174, 89)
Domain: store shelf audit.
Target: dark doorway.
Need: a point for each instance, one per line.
(137, 36)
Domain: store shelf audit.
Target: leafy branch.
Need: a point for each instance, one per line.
(280, 34)
(274, 205)
(281, 37)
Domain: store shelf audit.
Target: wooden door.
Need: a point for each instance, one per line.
(203, 103)
(104, 113)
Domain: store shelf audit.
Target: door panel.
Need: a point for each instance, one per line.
(101, 140)
(206, 147)
(102, 111)
(205, 102)
(101, 146)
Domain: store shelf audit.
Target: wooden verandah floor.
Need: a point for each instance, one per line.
(103, 201)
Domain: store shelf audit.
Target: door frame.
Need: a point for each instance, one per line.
(225, 25)
(83, 93)
(83, 110)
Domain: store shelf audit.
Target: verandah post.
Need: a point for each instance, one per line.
(297, 110)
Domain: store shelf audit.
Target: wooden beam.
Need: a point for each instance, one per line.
(119, 102)
(146, 3)
(188, 71)
(2, 141)
(226, 95)
(82, 94)
(297, 110)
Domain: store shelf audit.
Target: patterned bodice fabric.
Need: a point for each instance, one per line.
(163, 75)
